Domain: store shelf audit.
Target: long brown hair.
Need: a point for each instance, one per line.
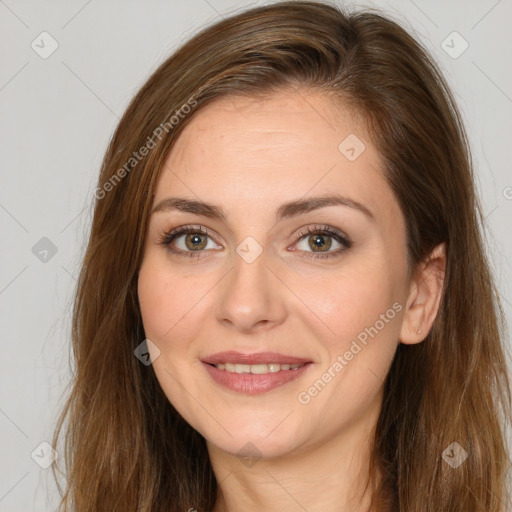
(126, 447)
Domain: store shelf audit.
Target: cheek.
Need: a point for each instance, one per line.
(363, 319)
(349, 302)
(165, 300)
(174, 308)
(360, 313)
(156, 303)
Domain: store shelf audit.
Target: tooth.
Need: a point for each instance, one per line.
(256, 369)
(259, 368)
(243, 368)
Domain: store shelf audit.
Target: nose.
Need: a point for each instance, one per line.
(252, 297)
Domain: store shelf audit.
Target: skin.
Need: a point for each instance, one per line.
(248, 157)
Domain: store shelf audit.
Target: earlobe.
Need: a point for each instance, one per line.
(424, 299)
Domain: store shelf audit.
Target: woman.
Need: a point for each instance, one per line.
(285, 302)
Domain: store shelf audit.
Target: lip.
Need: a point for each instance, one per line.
(256, 358)
(249, 383)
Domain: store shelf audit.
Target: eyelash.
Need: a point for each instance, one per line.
(169, 236)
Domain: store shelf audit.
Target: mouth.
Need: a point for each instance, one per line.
(257, 369)
(254, 373)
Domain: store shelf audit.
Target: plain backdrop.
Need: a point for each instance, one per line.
(68, 71)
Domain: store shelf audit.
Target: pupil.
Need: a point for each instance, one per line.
(194, 240)
(319, 241)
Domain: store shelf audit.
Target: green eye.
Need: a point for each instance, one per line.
(320, 241)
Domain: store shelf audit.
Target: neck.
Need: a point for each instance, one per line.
(330, 477)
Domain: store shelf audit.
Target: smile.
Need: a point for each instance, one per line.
(257, 369)
(254, 379)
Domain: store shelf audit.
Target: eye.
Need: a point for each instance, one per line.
(191, 241)
(194, 239)
(320, 240)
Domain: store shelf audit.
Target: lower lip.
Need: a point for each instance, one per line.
(253, 384)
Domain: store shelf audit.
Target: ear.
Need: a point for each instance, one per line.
(424, 297)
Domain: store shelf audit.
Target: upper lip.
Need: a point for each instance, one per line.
(256, 358)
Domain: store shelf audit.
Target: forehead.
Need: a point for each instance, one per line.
(259, 152)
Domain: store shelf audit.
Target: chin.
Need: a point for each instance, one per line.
(251, 436)
(252, 445)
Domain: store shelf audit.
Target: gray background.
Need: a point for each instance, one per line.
(56, 117)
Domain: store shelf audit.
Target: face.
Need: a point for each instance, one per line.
(270, 267)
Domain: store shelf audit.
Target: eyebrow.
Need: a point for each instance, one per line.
(286, 210)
